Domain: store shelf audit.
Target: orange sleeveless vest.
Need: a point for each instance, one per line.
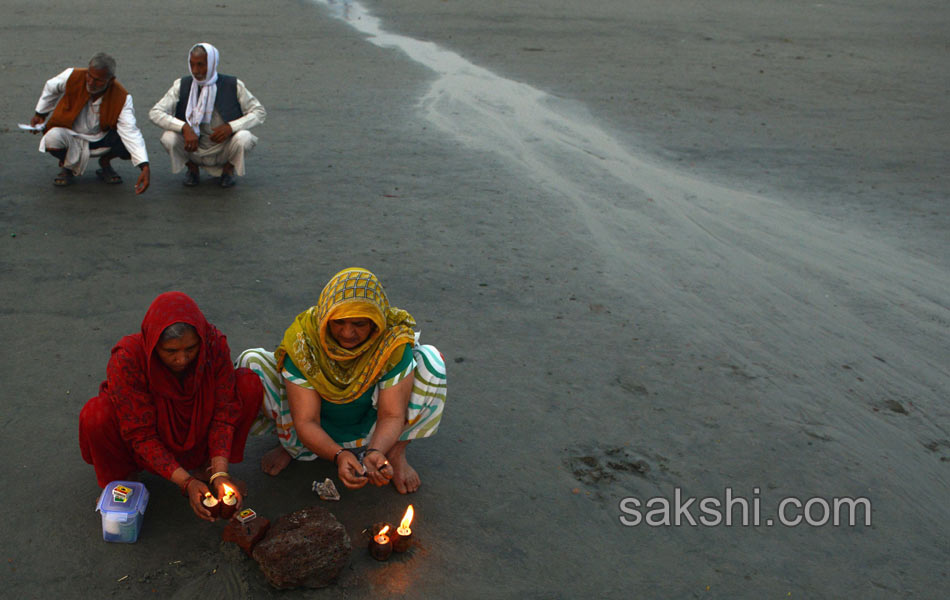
(76, 96)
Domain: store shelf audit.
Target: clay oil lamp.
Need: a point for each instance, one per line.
(212, 505)
(380, 547)
(403, 538)
(228, 502)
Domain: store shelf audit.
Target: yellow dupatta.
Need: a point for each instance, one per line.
(338, 374)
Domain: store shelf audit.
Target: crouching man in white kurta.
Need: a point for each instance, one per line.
(206, 118)
(92, 115)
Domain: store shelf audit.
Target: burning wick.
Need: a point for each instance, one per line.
(228, 502)
(381, 547)
(212, 504)
(403, 538)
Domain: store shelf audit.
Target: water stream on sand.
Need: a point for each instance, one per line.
(773, 284)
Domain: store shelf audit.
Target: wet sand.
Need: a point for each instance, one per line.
(688, 248)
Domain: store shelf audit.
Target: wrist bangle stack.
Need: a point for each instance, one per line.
(216, 475)
(184, 486)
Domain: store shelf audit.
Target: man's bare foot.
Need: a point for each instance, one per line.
(405, 478)
(275, 461)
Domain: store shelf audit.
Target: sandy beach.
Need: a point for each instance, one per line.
(669, 252)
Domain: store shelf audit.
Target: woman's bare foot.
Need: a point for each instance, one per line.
(275, 461)
(405, 478)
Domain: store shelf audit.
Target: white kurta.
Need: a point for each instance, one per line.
(86, 127)
(210, 155)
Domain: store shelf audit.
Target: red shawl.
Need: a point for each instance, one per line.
(171, 423)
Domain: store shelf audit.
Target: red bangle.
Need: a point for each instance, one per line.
(184, 487)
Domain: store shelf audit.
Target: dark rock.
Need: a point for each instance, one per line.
(307, 548)
(245, 535)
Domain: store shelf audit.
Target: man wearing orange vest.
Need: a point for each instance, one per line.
(92, 115)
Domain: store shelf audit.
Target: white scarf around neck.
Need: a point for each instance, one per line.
(203, 93)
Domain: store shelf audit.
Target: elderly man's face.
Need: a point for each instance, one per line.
(199, 65)
(97, 80)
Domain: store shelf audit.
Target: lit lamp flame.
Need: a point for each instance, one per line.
(228, 502)
(406, 521)
(212, 504)
(381, 546)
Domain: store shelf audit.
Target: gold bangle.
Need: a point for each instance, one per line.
(216, 475)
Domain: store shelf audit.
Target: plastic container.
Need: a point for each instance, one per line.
(122, 504)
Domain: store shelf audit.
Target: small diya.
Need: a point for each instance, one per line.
(402, 539)
(212, 505)
(228, 502)
(380, 547)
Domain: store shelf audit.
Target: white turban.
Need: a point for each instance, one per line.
(202, 94)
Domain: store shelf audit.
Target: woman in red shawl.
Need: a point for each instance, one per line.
(171, 401)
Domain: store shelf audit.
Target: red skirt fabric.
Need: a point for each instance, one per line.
(112, 457)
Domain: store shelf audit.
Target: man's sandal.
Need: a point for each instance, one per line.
(227, 180)
(108, 175)
(64, 178)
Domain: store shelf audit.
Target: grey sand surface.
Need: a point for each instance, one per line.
(693, 247)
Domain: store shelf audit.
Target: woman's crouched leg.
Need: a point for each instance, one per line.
(101, 442)
(428, 394)
(274, 415)
(249, 393)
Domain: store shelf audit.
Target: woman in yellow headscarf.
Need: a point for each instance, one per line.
(349, 383)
